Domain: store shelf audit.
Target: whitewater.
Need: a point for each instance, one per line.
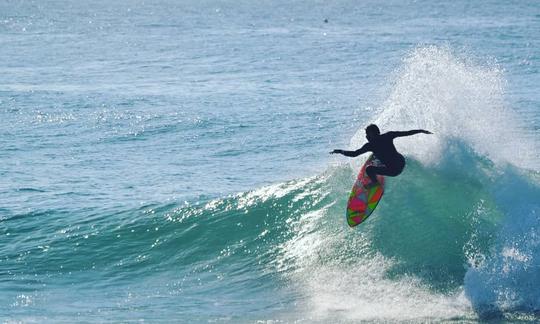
(168, 162)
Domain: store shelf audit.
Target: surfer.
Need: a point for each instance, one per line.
(383, 148)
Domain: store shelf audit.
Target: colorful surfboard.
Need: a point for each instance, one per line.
(363, 201)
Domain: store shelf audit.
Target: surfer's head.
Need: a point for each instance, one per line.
(372, 131)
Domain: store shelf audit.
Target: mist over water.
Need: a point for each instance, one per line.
(169, 161)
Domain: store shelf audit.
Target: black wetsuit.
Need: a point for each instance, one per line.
(384, 150)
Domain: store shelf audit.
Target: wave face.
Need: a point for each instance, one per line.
(457, 235)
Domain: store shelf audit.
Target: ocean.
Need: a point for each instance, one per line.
(167, 161)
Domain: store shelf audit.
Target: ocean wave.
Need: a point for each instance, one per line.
(456, 236)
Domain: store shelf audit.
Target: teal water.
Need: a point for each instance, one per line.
(168, 161)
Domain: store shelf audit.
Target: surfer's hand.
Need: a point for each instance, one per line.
(336, 151)
(426, 132)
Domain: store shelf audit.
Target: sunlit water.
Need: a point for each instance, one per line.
(168, 161)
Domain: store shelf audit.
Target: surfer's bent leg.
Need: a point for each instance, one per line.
(391, 169)
(373, 171)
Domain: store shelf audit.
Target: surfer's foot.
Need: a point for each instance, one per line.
(371, 184)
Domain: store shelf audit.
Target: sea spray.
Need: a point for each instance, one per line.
(456, 98)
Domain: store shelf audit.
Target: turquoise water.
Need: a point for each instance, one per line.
(168, 161)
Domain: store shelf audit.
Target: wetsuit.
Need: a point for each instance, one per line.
(384, 150)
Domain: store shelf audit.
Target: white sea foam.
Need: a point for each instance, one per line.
(361, 292)
(342, 281)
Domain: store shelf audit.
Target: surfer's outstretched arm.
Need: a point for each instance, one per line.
(408, 133)
(361, 150)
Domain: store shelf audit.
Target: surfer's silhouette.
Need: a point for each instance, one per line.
(383, 148)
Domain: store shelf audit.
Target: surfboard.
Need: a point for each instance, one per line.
(362, 202)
